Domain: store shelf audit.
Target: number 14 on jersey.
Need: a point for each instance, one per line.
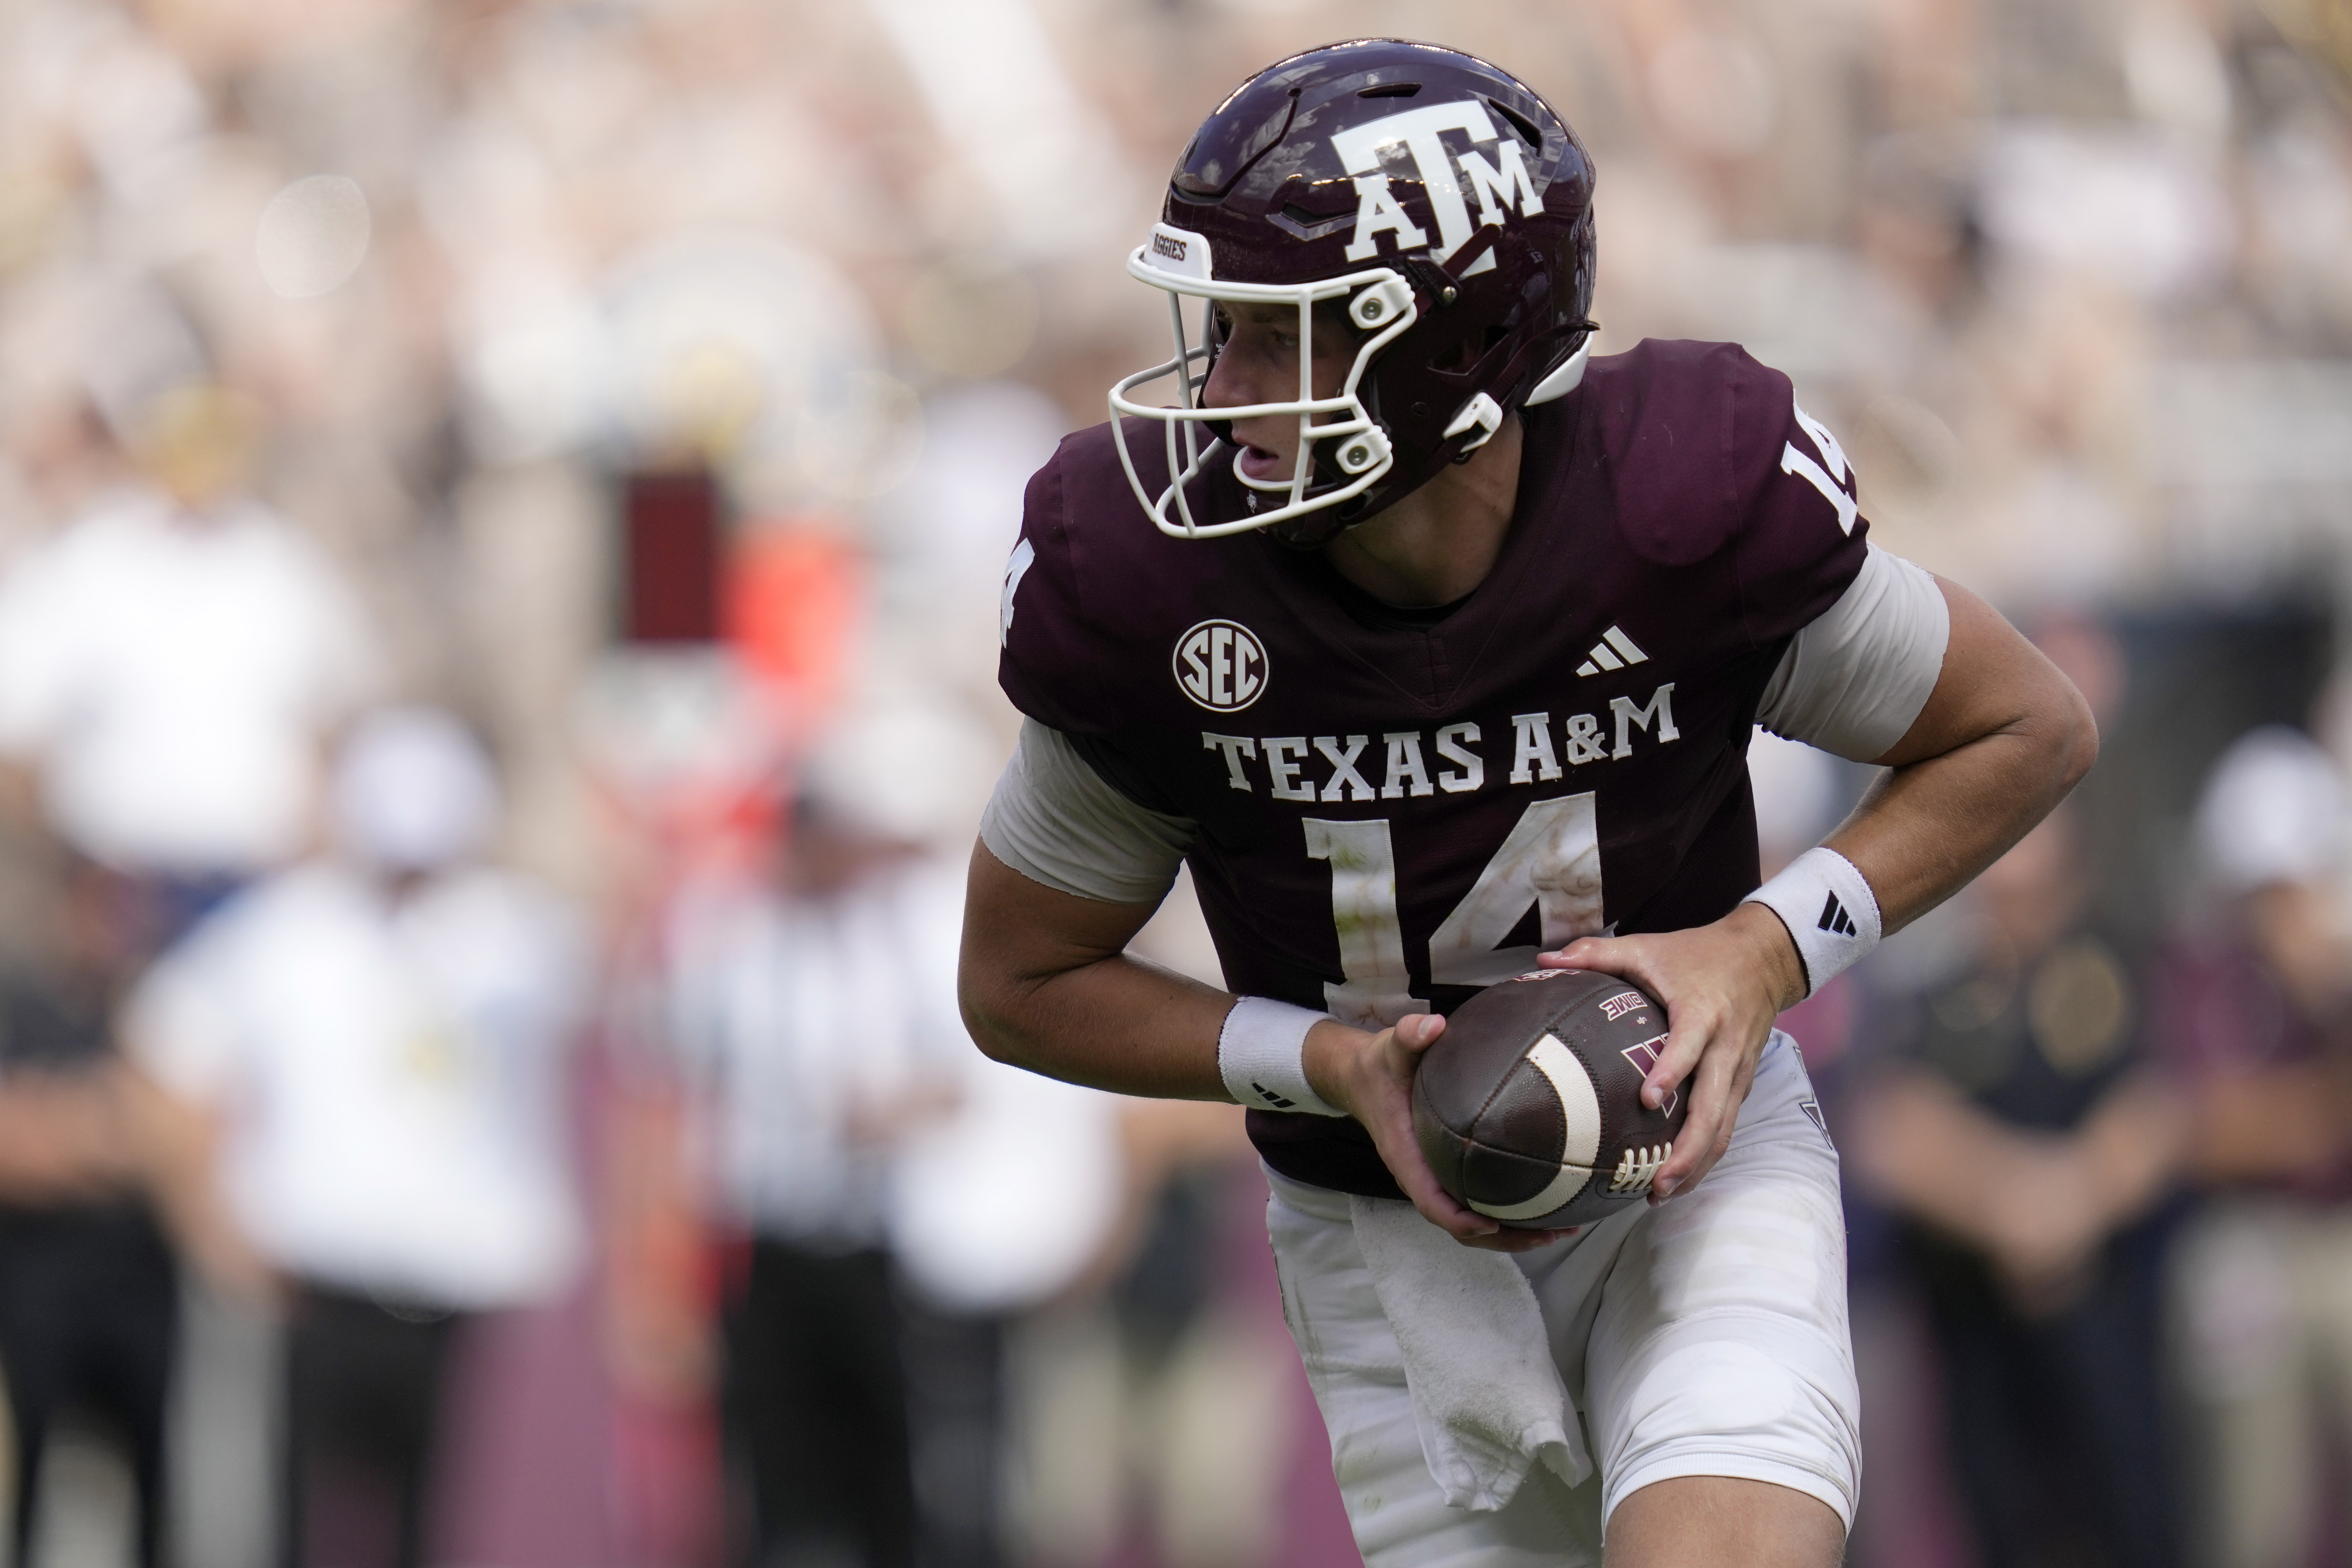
(1551, 860)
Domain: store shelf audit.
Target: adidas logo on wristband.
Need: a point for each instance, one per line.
(1262, 1057)
(1831, 913)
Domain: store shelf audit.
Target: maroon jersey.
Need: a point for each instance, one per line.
(1399, 807)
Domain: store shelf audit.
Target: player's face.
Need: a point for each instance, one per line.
(1259, 364)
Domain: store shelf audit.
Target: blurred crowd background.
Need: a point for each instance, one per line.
(502, 508)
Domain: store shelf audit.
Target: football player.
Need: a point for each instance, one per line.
(1433, 647)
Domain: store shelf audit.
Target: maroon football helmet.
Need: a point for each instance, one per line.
(1443, 201)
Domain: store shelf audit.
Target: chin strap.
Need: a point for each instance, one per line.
(1481, 414)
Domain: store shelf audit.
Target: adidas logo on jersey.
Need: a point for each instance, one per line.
(1615, 650)
(1835, 920)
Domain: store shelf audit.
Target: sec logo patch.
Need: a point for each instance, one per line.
(1222, 665)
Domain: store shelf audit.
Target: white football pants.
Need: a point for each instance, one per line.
(1705, 1337)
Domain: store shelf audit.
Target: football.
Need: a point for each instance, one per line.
(1529, 1107)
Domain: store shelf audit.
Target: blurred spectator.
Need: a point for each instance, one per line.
(804, 1004)
(1158, 1424)
(901, 1202)
(2253, 1004)
(170, 661)
(1002, 1206)
(1158, 1412)
(2024, 1137)
(371, 1046)
(89, 1289)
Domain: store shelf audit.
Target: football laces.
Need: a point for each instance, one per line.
(1638, 1168)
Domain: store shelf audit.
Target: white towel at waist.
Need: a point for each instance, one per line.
(1487, 1397)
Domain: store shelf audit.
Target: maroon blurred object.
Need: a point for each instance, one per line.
(673, 556)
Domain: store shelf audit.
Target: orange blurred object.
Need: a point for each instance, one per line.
(795, 594)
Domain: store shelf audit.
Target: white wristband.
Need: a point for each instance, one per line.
(1829, 908)
(1262, 1057)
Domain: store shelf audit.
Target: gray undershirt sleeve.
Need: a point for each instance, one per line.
(1056, 821)
(1855, 679)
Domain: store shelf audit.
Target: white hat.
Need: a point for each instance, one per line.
(412, 790)
(906, 769)
(2273, 811)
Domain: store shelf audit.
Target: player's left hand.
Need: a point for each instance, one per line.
(1723, 984)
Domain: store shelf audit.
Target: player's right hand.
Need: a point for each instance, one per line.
(1370, 1076)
